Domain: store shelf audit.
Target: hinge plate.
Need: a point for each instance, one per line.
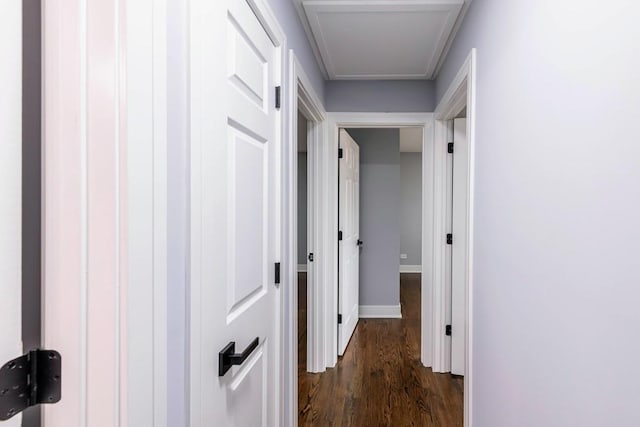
(339, 319)
(340, 235)
(278, 96)
(29, 380)
(277, 273)
(449, 239)
(450, 147)
(340, 153)
(310, 257)
(447, 330)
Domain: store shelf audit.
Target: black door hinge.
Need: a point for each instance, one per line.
(277, 273)
(340, 154)
(450, 147)
(278, 97)
(29, 380)
(339, 319)
(310, 257)
(449, 239)
(339, 235)
(447, 330)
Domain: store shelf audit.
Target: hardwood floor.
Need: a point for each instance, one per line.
(380, 380)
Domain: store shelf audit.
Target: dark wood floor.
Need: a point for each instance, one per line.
(380, 380)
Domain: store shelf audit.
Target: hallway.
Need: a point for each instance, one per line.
(379, 381)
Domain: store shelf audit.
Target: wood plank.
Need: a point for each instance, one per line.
(379, 381)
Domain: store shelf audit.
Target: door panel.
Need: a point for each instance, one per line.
(459, 247)
(11, 184)
(349, 262)
(234, 215)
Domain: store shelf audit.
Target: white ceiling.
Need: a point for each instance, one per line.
(410, 140)
(380, 39)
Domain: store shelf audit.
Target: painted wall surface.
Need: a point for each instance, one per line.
(557, 167)
(287, 16)
(302, 209)
(380, 96)
(379, 215)
(411, 208)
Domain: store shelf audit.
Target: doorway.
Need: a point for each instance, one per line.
(385, 349)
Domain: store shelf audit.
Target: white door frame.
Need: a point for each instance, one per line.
(329, 305)
(11, 79)
(460, 94)
(104, 209)
(301, 94)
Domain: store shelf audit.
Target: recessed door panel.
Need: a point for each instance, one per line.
(249, 384)
(247, 67)
(248, 232)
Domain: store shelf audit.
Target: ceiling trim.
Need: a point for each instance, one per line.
(307, 29)
(452, 37)
(309, 9)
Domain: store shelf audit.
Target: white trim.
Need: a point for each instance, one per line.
(299, 91)
(314, 46)
(461, 93)
(405, 268)
(302, 268)
(11, 185)
(452, 36)
(146, 207)
(380, 312)
(330, 216)
(160, 205)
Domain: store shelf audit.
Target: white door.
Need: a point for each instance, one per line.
(10, 184)
(235, 195)
(349, 246)
(459, 248)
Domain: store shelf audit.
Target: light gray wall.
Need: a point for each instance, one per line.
(380, 96)
(379, 215)
(302, 208)
(411, 208)
(288, 19)
(557, 236)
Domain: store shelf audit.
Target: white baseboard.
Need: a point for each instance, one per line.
(302, 268)
(380, 312)
(410, 268)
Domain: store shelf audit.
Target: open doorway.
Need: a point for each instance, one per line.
(303, 255)
(383, 356)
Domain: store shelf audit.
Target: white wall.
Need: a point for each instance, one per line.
(557, 229)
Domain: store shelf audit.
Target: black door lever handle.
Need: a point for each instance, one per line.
(359, 242)
(227, 357)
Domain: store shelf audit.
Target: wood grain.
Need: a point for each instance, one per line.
(380, 380)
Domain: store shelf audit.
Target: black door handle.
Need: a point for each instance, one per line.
(359, 242)
(227, 357)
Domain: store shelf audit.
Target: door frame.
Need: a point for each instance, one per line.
(329, 305)
(461, 93)
(301, 93)
(104, 189)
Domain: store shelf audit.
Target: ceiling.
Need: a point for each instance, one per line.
(380, 39)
